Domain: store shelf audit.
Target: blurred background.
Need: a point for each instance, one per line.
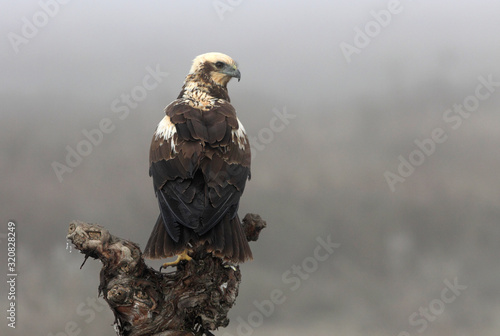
(374, 126)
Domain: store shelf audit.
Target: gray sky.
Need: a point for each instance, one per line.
(362, 83)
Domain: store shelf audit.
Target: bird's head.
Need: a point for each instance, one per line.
(216, 67)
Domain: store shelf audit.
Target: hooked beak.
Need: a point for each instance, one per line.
(232, 71)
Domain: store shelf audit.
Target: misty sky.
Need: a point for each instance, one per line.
(362, 83)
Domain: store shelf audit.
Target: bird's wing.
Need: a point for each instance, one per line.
(199, 162)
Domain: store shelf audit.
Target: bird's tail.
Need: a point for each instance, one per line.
(228, 241)
(160, 244)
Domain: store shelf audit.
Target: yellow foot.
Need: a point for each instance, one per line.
(183, 256)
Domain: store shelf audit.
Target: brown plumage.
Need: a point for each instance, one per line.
(200, 161)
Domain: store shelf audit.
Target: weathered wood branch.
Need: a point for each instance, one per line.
(191, 300)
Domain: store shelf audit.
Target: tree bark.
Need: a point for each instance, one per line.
(191, 300)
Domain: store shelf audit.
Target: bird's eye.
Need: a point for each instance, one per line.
(219, 64)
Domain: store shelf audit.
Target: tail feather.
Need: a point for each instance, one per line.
(245, 251)
(228, 236)
(236, 240)
(236, 248)
(217, 238)
(226, 240)
(160, 244)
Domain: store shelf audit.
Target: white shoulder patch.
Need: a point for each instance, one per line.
(166, 130)
(239, 135)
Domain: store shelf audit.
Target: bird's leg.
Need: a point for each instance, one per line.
(183, 256)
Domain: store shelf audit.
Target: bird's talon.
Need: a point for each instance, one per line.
(231, 266)
(183, 256)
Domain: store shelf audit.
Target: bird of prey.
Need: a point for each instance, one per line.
(200, 162)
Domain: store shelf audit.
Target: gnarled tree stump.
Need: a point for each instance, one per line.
(192, 300)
